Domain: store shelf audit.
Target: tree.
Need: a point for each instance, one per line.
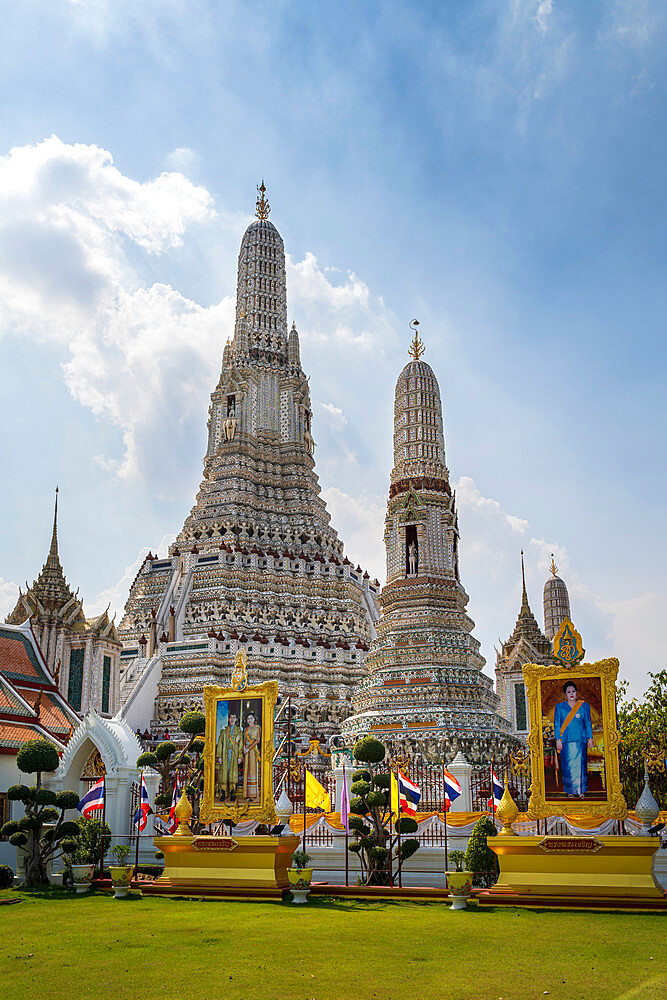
(640, 725)
(480, 859)
(371, 810)
(168, 761)
(43, 827)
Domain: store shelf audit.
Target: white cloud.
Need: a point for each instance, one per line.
(338, 418)
(359, 522)
(543, 13)
(9, 593)
(182, 158)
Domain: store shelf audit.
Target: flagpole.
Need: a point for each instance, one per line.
(104, 819)
(400, 869)
(347, 832)
(303, 842)
(289, 743)
(136, 852)
(444, 813)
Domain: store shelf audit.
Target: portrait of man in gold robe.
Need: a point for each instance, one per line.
(228, 750)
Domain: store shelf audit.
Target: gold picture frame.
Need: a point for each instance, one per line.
(228, 794)
(600, 757)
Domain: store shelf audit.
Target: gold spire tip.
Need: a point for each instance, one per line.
(553, 567)
(262, 207)
(416, 348)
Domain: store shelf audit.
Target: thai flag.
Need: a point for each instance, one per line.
(144, 810)
(93, 799)
(173, 822)
(498, 789)
(409, 795)
(452, 788)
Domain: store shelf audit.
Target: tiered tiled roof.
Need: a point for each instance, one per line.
(30, 704)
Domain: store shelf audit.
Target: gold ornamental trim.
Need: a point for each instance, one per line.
(540, 805)
(240, 809)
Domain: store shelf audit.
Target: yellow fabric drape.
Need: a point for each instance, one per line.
(317, 797)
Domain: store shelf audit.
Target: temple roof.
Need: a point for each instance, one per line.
(526, 624)
(30, 702)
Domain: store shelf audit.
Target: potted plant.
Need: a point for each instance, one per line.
(121, 872)
(300, 876)
(459, 881)
(82, 864)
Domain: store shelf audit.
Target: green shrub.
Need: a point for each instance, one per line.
(360, 788)
(69, 828)
(457, 859)
(408, 848)
(355, 847)
(37, 756)
(6, 877)
(10, 827)
(120, 853)
(147, 759)
(49, 814)
(193, 723)
(479, 858)
(163, 799)
(196, 746)
(358, 806)
(19, 839)
(30, 823)
(18, 793)
(376, 798)
(369, 750)
(68, 845)
(357, 823)
(379, 854)
(382, 780)
(45, 797)
(361, 776)
(406, 824)
(67, 800)
(163, 751)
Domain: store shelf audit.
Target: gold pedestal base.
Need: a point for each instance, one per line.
(575, 871)
(236, 868)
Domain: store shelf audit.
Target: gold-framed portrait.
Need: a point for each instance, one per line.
(574, 740)
(238, 753)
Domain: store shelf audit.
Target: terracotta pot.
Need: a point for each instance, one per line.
(121, 876)
(299, 883)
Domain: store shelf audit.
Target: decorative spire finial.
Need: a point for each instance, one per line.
(416, 348)
(554, 568)
(262, 207)
(524, 595)
(53, 551)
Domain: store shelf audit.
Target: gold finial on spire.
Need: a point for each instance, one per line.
(554, 568)
(524, 594)
(53, 551)
(416, 348)
(262, 207)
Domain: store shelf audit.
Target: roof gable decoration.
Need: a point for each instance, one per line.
(118, 746)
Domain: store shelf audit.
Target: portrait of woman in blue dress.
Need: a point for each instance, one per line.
(573, 732)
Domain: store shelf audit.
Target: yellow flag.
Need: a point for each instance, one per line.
(394, 796)
(316, 794)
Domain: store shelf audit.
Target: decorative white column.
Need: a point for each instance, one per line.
(462, 770)
(337, 760)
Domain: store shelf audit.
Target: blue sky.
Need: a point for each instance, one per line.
(493, 169)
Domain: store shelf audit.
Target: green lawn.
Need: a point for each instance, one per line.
(59, 946)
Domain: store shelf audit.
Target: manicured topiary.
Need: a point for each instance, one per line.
(407, 825)
(374, 841)
(193, 723)
(36, 756)
(408, 848)
(480, 859)
(147, 759)
(163, 799)
(196, 746)
(163, 751)
(6, 876)
(369, 750)
(361, 776)
(43, 807)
